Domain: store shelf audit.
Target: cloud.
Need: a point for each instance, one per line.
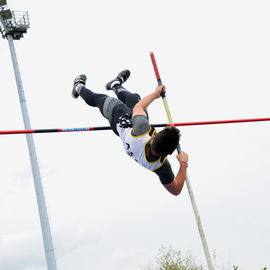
(22, 251)
(120, 255)
(25, 250)
(74, 238)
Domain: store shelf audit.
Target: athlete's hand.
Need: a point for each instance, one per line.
(183, 158)
(159, 89)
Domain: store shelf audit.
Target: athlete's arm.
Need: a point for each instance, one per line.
(165, 173)
(140, 107)
(175, 187)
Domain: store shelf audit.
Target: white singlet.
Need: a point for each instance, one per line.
(135, 147)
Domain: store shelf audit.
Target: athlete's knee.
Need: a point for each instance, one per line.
(136, 97)
(108, 106)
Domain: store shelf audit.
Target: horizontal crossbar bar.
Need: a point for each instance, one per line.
(6, 132)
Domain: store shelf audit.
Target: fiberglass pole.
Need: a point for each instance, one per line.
(190, 191)
(44, 220)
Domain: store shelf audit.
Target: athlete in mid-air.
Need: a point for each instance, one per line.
(128, 119)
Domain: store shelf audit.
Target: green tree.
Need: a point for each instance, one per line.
(170, 259)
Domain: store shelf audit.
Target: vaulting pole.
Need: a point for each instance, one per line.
(192, 198)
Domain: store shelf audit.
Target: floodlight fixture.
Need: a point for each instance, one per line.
(3, 3)
(6, 14)
(15, 23)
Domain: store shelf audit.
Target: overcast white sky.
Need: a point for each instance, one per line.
(106, 212)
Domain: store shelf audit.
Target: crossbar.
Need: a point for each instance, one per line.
(216, 122)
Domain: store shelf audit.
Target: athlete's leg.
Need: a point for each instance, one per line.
(103, 102)
(111, 108)
(128, 98)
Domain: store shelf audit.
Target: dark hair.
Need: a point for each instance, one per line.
(166, 141)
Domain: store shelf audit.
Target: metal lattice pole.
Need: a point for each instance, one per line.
(14, 30)
(44, 221)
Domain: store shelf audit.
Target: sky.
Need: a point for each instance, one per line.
(105, 211)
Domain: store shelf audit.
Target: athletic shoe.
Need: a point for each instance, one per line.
(121, 78)
(80, 79)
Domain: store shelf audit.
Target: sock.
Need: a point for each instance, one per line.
(79, 87)
(115, 84)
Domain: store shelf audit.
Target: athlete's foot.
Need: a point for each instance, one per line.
(80, 79)
(121, 78)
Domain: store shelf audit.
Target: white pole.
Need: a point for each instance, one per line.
(192, 199)
(44, 220)
(199, 224)
(191, 195)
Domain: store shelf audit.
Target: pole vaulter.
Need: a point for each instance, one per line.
(192, 198)
(198, 123)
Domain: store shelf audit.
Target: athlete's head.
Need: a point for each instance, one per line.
(166, 141)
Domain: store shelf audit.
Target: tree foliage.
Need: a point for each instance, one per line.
(170, 259)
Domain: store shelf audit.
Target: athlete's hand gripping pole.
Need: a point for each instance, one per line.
(192, 198)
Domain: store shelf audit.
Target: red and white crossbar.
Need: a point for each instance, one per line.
(6, 132)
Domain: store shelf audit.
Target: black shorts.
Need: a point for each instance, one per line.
(118, 111)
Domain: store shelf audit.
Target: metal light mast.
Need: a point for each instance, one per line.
(14, 25)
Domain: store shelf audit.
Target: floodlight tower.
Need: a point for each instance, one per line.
(14, 25)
